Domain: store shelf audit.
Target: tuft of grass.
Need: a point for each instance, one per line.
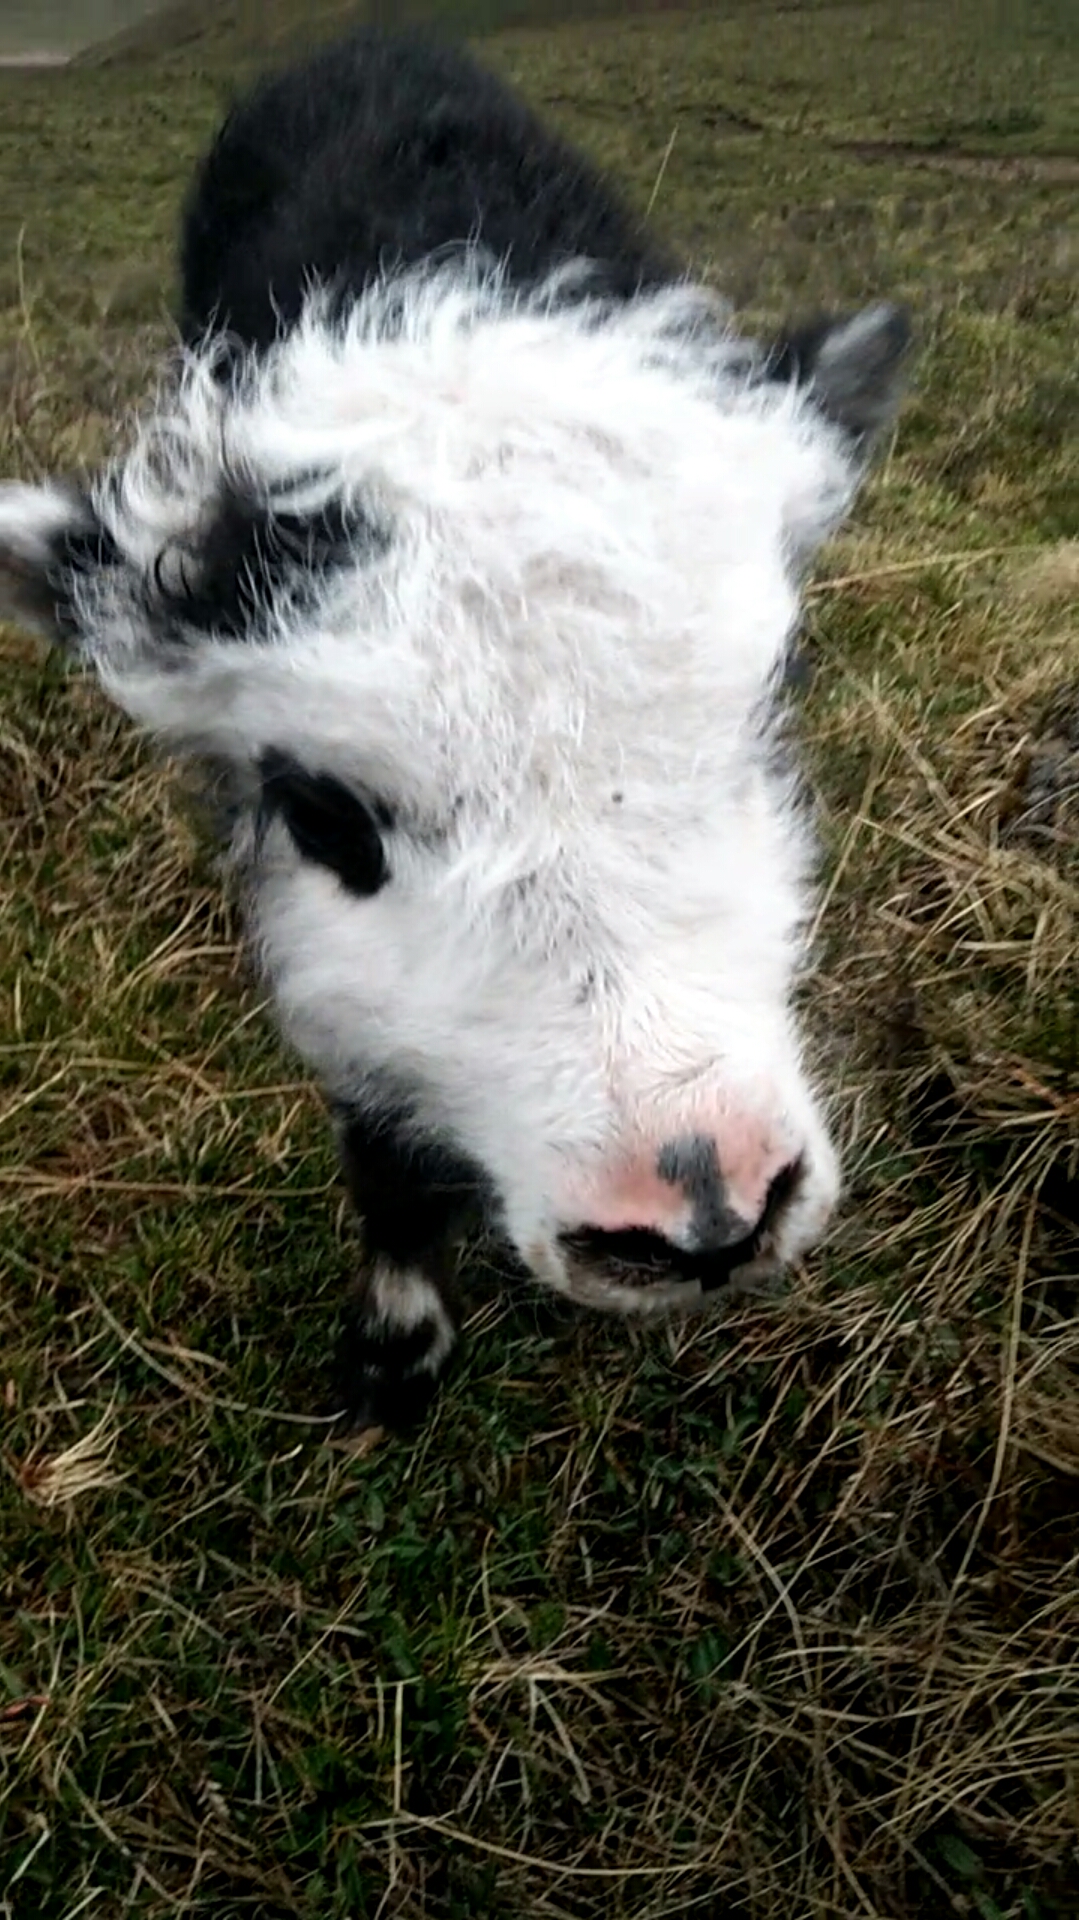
(84, 1467)
(773, 1613)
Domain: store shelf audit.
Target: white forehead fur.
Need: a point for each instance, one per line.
(607, 474)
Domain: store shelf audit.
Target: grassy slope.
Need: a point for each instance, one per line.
(779, 1615)
(61, 25)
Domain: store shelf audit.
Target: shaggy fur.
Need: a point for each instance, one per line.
(476, 568)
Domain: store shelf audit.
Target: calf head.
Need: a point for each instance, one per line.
(482, 603)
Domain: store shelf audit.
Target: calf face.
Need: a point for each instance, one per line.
(480, 596)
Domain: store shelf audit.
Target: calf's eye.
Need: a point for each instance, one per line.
(329, 824)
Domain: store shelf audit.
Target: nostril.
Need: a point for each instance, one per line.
(783, 1189)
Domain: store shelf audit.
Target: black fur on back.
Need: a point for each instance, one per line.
(379, 152)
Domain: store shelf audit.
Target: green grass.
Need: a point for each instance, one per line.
(773, 1615)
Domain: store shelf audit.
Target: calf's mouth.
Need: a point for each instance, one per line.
(637, 1270)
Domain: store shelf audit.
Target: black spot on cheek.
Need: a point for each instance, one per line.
(328, 823)
(585, 991)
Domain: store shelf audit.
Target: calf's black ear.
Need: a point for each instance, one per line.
(854, 366)
(48, 534)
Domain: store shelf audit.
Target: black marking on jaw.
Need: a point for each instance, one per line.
(84, 548)
(254, 551)
(328, 823)
(635, 1256)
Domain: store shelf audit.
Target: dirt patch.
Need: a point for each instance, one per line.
(1048, 169)
(38, 57)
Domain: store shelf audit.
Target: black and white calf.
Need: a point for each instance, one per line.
(464, 542)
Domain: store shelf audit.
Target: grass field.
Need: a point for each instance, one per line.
(772, 1616)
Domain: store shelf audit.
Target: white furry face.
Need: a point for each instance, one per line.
(510, 582)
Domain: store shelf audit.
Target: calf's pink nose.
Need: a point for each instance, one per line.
(684, 1192)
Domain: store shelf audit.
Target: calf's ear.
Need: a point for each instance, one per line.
(854, 367)
(48, 534)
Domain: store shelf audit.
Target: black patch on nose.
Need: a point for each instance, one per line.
(693, 1165)
(256, 551)
(328, 823)
(852, 363)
